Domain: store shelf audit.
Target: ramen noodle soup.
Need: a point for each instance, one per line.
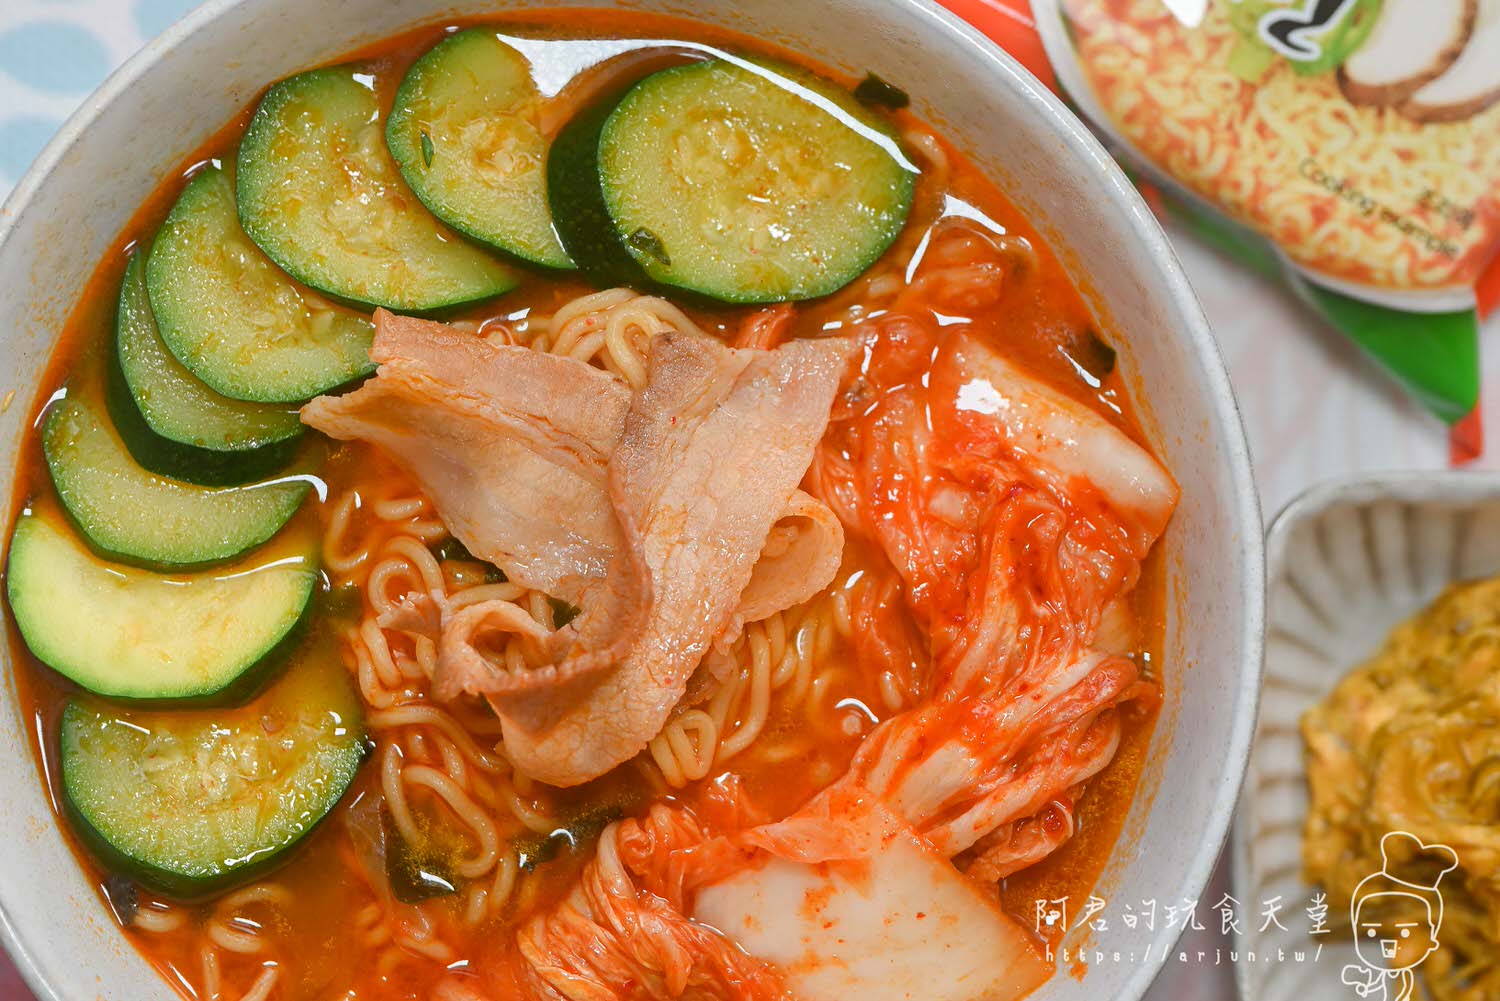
(609, 511)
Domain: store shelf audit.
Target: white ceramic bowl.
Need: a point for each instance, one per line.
(183, 87)
(1349, 562)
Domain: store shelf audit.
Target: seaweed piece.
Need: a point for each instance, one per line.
(562, 612)
(578, 834)
(451, 549)
(1092, 354)
(417, 872)
(123, 897)
(649, 244)
(878, 93)
(344, 601)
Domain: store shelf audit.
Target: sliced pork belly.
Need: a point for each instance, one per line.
(712, 453)
(513, 446)
(526, 420)
(670, 518)
(800, 557)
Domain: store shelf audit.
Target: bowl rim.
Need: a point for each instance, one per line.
(1111, 186)
(1456, 487)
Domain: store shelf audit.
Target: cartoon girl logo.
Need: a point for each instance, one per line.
(1397, 918)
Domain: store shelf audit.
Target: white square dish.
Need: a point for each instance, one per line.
(1347, 562)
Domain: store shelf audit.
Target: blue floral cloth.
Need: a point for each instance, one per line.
(53, 53)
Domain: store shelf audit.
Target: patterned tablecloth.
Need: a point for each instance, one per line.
(1312, 407)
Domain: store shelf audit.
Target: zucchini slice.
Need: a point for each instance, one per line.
(130, 513)
(748, 183)
(191, 802)
(133, 634)
(577, 202)
(464, 131)
(320, 194)
(191, 431)
(235, 321)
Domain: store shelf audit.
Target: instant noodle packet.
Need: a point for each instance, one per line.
(1351, 147)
